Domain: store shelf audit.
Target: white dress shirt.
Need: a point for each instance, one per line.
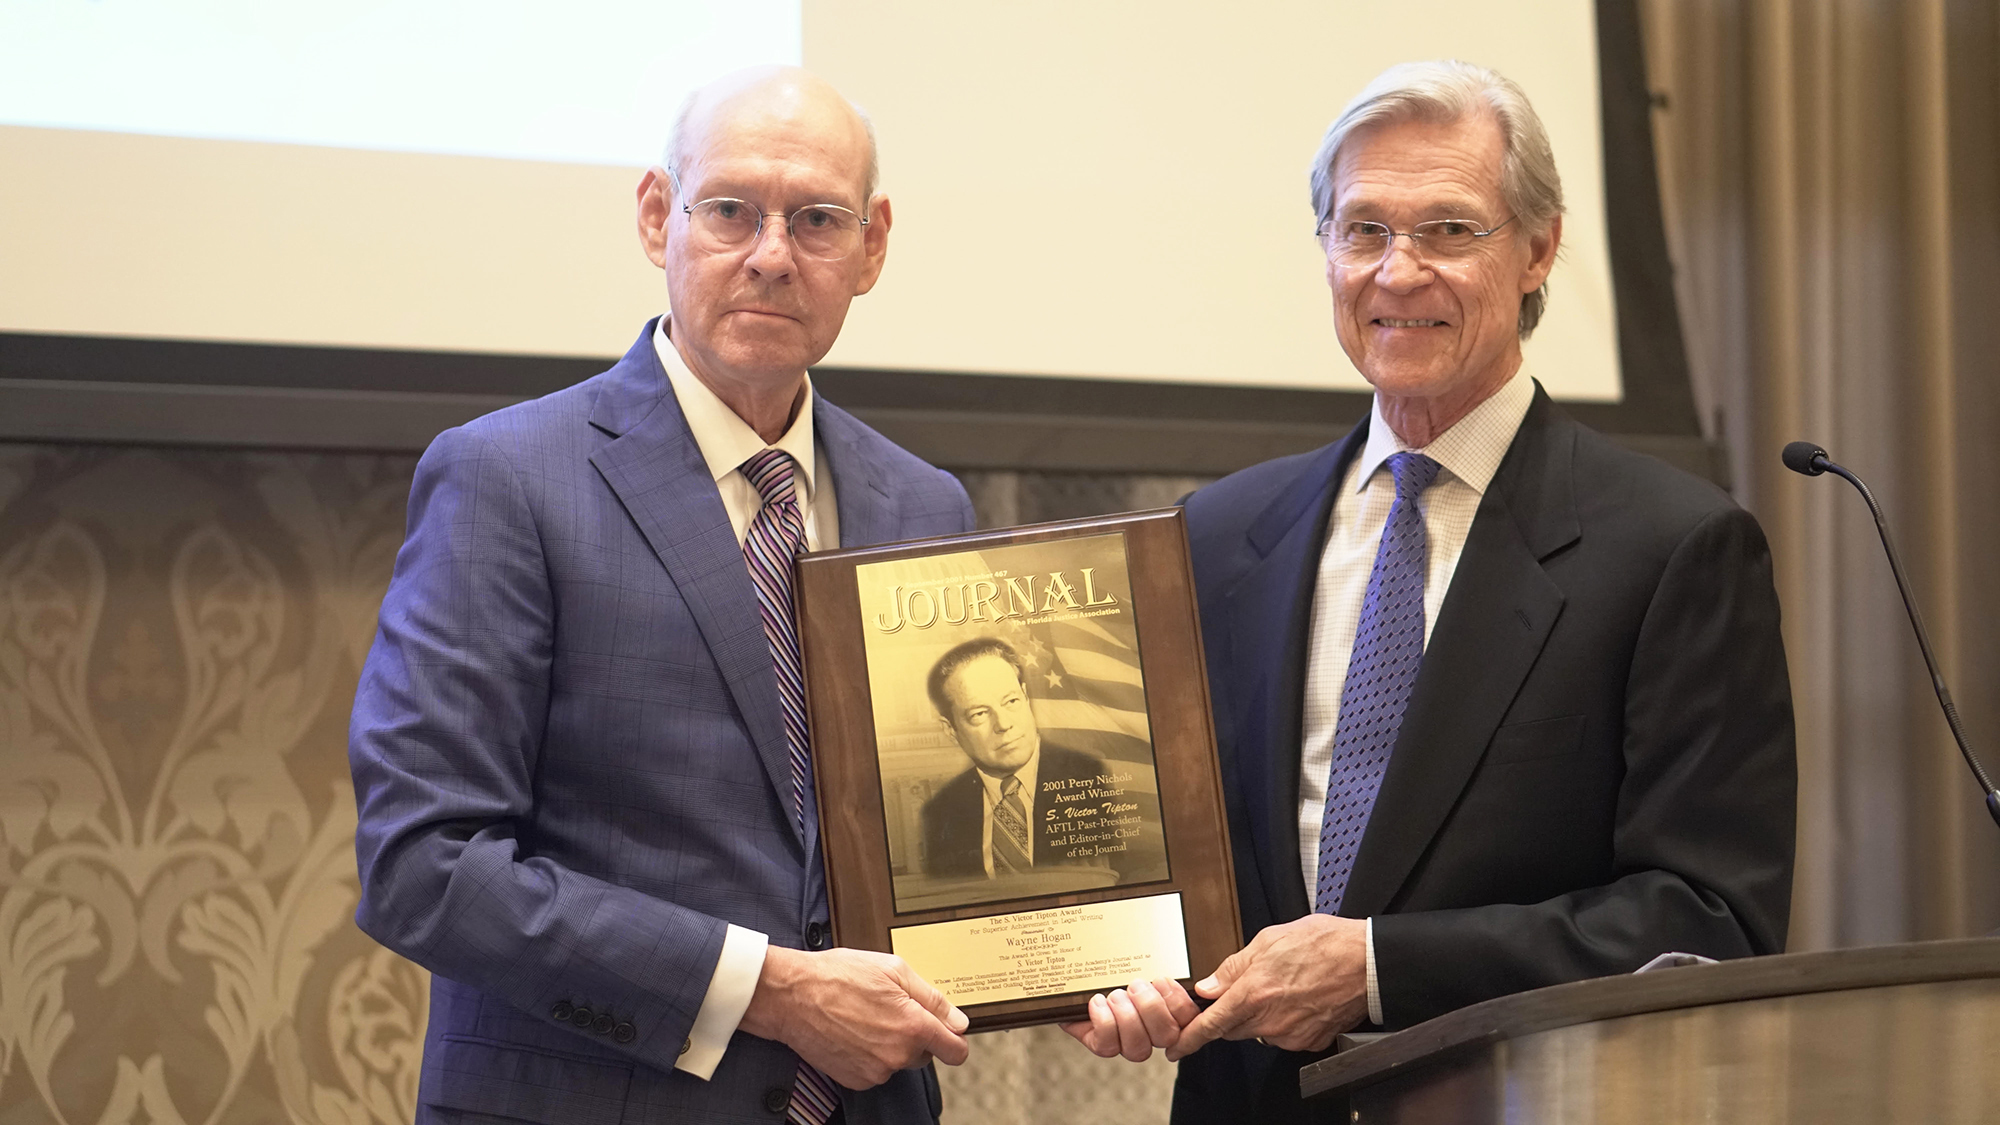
(1470, 453)
(726, 441)
(1028, 772)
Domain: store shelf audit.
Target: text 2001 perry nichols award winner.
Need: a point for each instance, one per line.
(1015, 764)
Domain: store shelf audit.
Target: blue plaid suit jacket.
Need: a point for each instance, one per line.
(569, 760)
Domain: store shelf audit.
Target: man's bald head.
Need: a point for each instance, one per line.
(782, 92)
(753, 309)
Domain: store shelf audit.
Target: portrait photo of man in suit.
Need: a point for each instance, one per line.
(992, 821)
(1499, 703)
(579, 745)
(1012, 737)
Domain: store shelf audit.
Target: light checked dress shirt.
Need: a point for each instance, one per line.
(1470, 453)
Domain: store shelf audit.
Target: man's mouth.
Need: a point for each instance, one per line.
(1392, 322)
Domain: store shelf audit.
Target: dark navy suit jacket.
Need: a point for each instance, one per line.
(569, 760)
(1596, 765)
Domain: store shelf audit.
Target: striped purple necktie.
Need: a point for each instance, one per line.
(777, 536)
(1388, 651)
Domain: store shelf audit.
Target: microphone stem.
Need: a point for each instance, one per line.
(1923, 639)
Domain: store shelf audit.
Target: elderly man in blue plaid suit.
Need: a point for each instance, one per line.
(578, 744)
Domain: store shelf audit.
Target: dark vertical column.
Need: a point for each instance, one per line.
(1658, 396)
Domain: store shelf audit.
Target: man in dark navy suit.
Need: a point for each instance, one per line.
(578, 745)
(1499, 703)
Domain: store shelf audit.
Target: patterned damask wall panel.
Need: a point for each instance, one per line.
(1003, 498)
(180, 634)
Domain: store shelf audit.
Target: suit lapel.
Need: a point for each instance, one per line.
(1270, 613)
(658, 474)
(1490, 630)
(868, 511)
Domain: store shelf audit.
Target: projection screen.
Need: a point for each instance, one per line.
(438, 175)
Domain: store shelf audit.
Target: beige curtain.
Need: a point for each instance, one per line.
(1831, 176)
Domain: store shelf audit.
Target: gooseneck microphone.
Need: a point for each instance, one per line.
(1809, 459)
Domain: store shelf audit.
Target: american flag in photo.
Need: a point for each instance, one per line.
(1086, 687)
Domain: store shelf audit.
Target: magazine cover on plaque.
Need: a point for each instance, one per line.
(1011, 725)
(1014, 761)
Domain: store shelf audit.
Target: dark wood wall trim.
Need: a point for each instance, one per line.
(957, 421)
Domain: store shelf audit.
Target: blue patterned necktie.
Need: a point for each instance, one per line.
(1388, 651)
(777, 535)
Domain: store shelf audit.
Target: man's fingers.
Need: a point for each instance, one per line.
(944, 1044)
(1180, 1005)
(1083, 1031)
(1103, 1034)
(947, 1048)
(1133, 1041)
(1162, 1029)
(1226, 973)
(932, 1000)
(1099, 1032)
(1221, 1018)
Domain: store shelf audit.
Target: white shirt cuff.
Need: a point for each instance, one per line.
(1374, 987)
(729, 992)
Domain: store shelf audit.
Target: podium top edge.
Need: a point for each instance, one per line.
(1694, 986)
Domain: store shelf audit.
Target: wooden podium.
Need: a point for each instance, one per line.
(1898, 1033)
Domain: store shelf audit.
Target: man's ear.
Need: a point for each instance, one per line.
(1542, 256)
(874, 243)
(656, 207)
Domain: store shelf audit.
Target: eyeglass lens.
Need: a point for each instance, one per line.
(820, 231)
(1439, 239)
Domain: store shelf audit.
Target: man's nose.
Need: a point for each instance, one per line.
(772, 253)
(1401, 268)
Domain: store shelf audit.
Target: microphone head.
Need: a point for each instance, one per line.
(1805, 457)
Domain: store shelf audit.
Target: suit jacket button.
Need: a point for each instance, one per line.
(777, 1098)
(603, 1023)
(581, 1016)
(815, 936)
(560, 1013)
(625, 1033)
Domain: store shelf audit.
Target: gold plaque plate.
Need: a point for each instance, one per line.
(1091, 948)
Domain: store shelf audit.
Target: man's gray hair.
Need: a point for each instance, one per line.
(675, 159)
(1444, 91)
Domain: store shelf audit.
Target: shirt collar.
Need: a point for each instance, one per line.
(1471, 449)
(725, 440)
(1027, 773)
